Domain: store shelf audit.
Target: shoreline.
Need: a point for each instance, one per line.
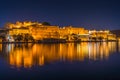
(56, 42)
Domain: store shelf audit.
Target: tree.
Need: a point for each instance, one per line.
(18, 37)
(94, 38)
(28, 37)
(46, 23)
(100, 38)
(15, 37)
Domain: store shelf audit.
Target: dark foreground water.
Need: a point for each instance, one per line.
(85, 60)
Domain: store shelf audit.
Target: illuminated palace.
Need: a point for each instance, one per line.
(34, 31)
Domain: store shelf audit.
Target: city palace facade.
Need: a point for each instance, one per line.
(38, 32)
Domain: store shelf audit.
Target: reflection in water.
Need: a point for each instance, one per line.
(28, 55)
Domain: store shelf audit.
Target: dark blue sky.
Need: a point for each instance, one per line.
(98, 14)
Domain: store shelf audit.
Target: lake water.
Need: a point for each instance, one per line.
(64, 61)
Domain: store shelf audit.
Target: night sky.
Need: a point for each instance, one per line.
(98, 14)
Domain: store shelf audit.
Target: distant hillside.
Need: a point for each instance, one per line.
(117, 32)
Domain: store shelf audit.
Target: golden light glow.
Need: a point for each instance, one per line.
(28, 55)
(69, 33)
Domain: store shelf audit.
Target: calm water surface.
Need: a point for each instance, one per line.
(85, 60)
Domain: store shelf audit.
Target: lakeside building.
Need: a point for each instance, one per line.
(29, 31)
(74, 33)
(101, 35)
(43, 32)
